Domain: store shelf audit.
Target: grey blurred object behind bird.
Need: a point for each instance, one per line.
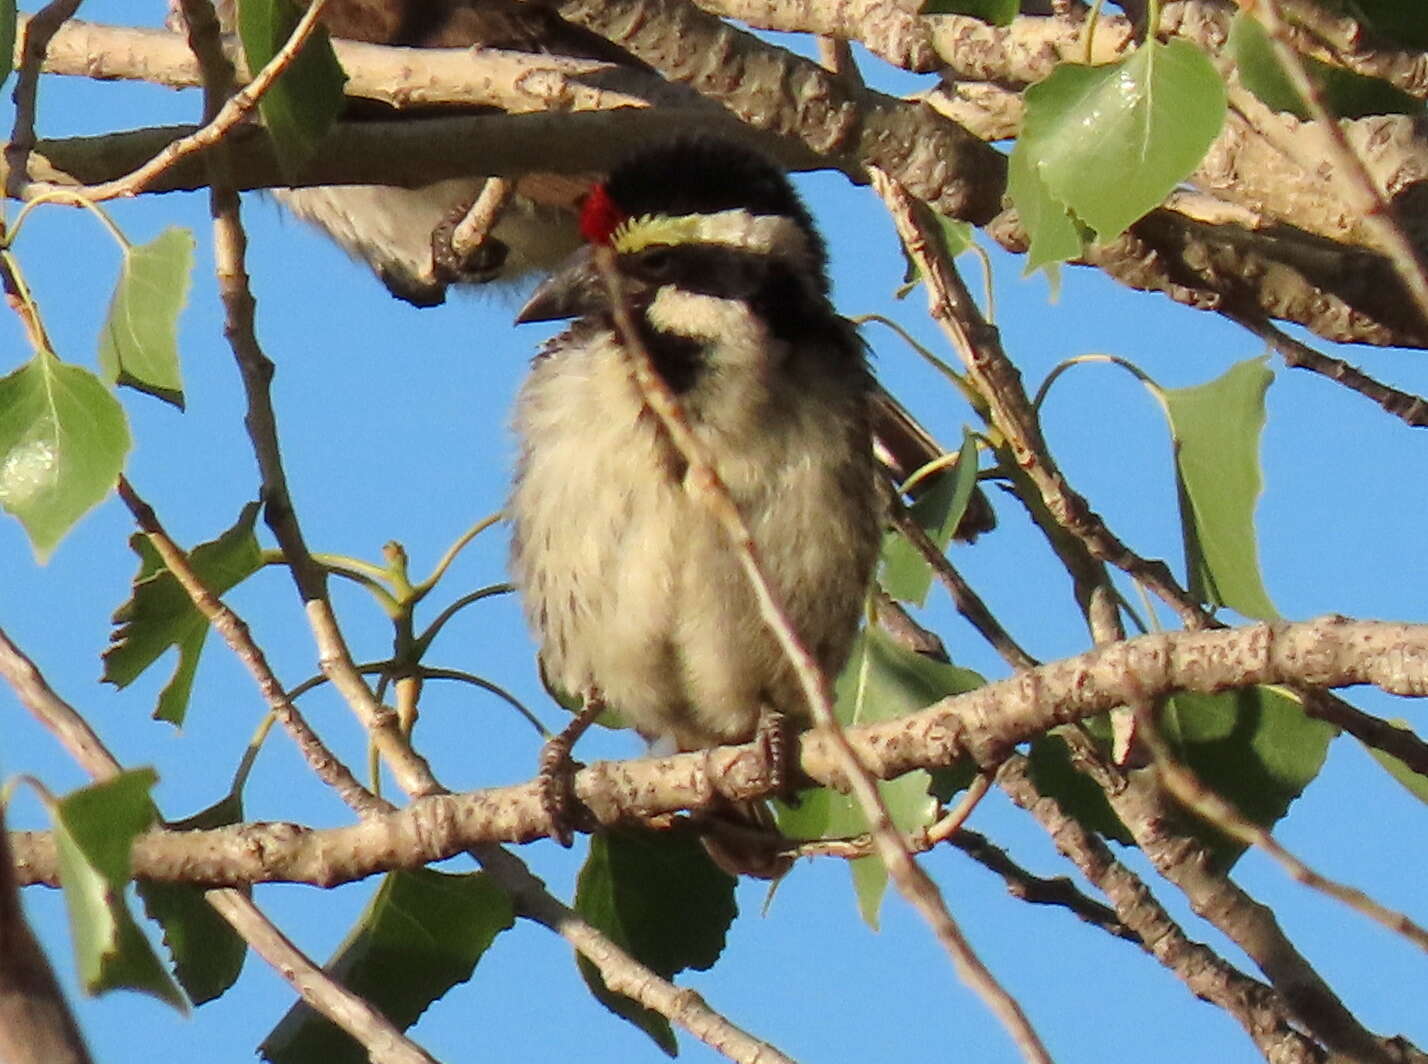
(391, 229)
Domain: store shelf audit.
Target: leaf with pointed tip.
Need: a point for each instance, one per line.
(1111, 142)
(906, 574)
(160, 615)
(301, 105)
(662, 899)
(63, 439)
(207, 953)
(1049, 224)
(422, 933)
(1216, 429)
(94, 831)
(881, 681)
(138, 347)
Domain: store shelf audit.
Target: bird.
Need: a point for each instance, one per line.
(632, 587)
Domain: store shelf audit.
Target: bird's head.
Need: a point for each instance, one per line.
(700, 216)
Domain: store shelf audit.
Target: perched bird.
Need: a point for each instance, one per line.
(631, 585)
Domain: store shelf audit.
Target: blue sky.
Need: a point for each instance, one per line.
(394, 423)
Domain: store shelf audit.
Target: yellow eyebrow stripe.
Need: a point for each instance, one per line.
(769, 234)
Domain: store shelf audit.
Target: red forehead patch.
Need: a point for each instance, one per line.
(599, 216)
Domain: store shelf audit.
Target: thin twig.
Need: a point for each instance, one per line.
(621, 972)
(1366, 728)
(703, 480)
(230, 252)
(34, 42)
(969, 604)
(1140, 918)
(235, 632)
(1038, 890)
(1411, 409)
(1151, 813)
(952, 823)
(994, 375)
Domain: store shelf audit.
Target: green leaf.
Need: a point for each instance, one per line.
(422, 933)
(662, 899)
(7, 39)
(160, 614)
(1416, 783)
(997, 12)
(1078, 796)
(1112, 141)
(1053, 232)
(1345, 93)
(1216, 430)
(139, 345)
(207, 953)
(300, 106)
(63, 439)
(94, 832)
(906, 574)
(1253, 746)
(881, 681)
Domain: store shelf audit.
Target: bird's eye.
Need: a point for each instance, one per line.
(657, 263)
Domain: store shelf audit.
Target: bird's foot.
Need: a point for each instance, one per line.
(779, 750)
(556, 775)
(462, 247)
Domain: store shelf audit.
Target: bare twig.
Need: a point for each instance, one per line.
(1411, 409)
(230, 250)
(1150, 814)
(235, 632)
(907, 875)
(621, 972)
(1186, 787)
(995, 376)
(1037, 890)
(1367, 729)
(31, 45)
(1256, 1007)
(952, 823)
(969, 604)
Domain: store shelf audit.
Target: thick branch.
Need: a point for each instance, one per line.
(984, 724)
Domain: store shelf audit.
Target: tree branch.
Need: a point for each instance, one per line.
(984, 724)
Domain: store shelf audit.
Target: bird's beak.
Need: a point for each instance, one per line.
(574, 290)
